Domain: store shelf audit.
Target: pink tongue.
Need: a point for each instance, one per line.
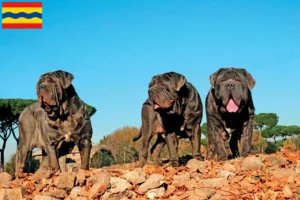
(156, 106)
(231, 106)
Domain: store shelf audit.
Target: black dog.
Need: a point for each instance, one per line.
(55, 124)
(173, 110)
(229, 111)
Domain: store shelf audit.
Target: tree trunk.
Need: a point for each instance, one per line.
(13, 132)
(284, 137)
(2, 156)
(275, 139)
(1, 170)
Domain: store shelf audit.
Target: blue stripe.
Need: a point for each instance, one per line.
(22, 14)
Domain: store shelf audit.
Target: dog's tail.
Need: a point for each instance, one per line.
(138, 136)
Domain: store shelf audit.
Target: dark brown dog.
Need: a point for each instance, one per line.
(172, 110)
(229, 111)
(57, 122)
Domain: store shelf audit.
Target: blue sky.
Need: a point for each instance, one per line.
(114, 47)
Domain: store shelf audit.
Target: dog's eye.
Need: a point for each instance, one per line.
(50, 81)
(238, 80)
(163, 85)
(47, 109)
(55, 108)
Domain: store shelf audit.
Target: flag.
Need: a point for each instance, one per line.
(21, 15)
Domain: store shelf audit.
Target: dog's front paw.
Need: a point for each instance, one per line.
(142, 162)
(158, 162)
(222, 158)
(174, 163)
(51, 172)
(21, 175)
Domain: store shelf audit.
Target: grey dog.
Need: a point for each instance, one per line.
(230, 113)
(173, 109)
(57, 122)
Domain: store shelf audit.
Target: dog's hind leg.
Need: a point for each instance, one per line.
(147, 131)
(21, 157)
(156, 149)
(147, 135)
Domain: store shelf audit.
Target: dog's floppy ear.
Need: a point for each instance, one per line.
(152, 82)
(212, 78)
(250, 80)
(65, 78)
(179, 80)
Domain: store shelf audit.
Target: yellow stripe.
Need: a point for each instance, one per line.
(21, 21)
(17, 10)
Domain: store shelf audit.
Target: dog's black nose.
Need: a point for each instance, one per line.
(230, 86)
(41, 87)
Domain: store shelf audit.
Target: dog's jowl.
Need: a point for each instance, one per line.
(57, 122)
(230, 113)
(173, 110)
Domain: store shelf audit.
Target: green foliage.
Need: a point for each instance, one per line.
(204, 129)
(102, 158)
(276, 131)
(266, 133)
(12, 108)
(293, 130)
(91, 110)
(279, 130)
(273, 147)
(204, 142)
(266, 120)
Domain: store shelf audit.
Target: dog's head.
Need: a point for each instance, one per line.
(51, 91)
(231, 88)
(164, 91)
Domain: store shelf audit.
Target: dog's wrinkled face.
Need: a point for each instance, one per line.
(231, 88)
(163, 90)
(50, 90)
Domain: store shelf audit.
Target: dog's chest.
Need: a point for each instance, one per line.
(64, 126)
(171, 123)
(232, 124)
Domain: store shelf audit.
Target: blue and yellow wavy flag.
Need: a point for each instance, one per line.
(22, 15)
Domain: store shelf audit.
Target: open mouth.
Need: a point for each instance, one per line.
(46, 101)
(232, 107)
(160, 106)
(155, 105)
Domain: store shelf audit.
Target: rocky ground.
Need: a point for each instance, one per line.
(275, 176)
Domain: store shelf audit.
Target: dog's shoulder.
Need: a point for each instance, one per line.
(77, 108)
(190, 93)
